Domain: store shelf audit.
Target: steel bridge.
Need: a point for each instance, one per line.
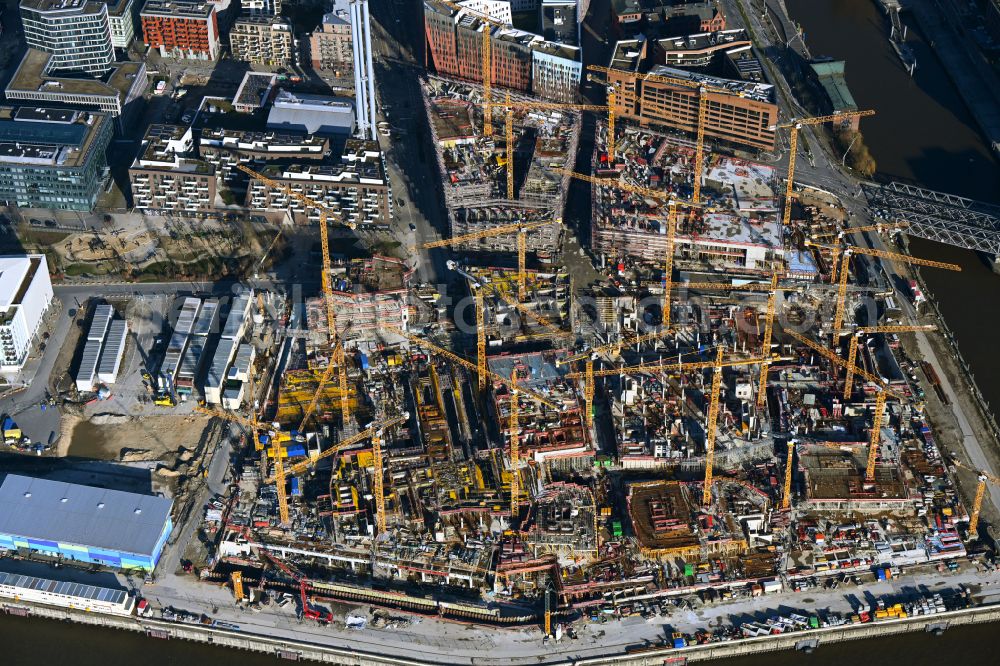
(936, 216)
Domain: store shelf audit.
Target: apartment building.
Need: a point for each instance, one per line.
(261, 7)
(668, 17)
(225, 149)
(745, 115)
(264, 40)
(181, 29)
(53, 158)
(77, 33)
(330, 46)
(355, 189)
(559, 21)
(520, 60)
(25, 296)
(164, 179)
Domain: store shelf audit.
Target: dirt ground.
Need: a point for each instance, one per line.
(107, 437)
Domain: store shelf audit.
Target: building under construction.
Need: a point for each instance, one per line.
(479, 171)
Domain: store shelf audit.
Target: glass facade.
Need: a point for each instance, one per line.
(60, 183)
(76, 33)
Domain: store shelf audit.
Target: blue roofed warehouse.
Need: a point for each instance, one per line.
(109, 527)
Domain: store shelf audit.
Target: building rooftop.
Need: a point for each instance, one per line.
(761, 92)
(64, 588)
(47, 137)
(82, 515)
(32, 76)
(13, 272)
(831, 76)
(254, 88)
(69, 6)
(174, 9)
(281, 143)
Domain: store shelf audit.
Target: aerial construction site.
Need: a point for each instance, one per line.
(612, 359)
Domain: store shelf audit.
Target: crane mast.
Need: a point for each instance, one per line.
(786, 496)
(515, 449)
(711, 428)
(875, 436)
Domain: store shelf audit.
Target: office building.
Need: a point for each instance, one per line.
(520, 60)
(745, 115)
(166, 179)
(181, 29)
(83, 524)
(53, 158)
(25, 296)
(122, 21)
(356, 188)
(264, 40)
(77, 33)
(330, 46)
(116, 95)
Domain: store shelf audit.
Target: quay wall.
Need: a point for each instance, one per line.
(550, 655)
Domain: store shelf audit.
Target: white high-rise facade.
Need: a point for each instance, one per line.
(25, 295)
(76, 32)
(364, 70)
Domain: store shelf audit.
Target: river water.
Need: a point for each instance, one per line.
(922, 133)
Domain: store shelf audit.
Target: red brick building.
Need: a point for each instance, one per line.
(181, 29)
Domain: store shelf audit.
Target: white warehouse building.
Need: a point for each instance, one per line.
(25, 296)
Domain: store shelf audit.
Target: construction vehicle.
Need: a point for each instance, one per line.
(793, 147)
(852, 354)
(237, 581)
(838, 319)
(307, 610)
(164, 399)
(977, 503)
(703, 90)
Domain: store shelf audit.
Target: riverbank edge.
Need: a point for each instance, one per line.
(296, 650)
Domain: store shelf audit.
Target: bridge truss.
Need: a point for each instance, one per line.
(937, 216)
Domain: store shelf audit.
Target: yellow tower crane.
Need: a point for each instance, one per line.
(488, 24)
(668, 260)
(379, 488)
(852, 354)
(977, 503)
(511, 106)
(765, 344)
(477, 291)
(703, 91)
(836, 249)
(786, 496)
(832, 356)
(468, 365)
(793, 147)
(588, 392)
(713, 410)
(515, 449)
(338, 356)
(838, 319)
(522, 244)
(875, 434)
(301, 467)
